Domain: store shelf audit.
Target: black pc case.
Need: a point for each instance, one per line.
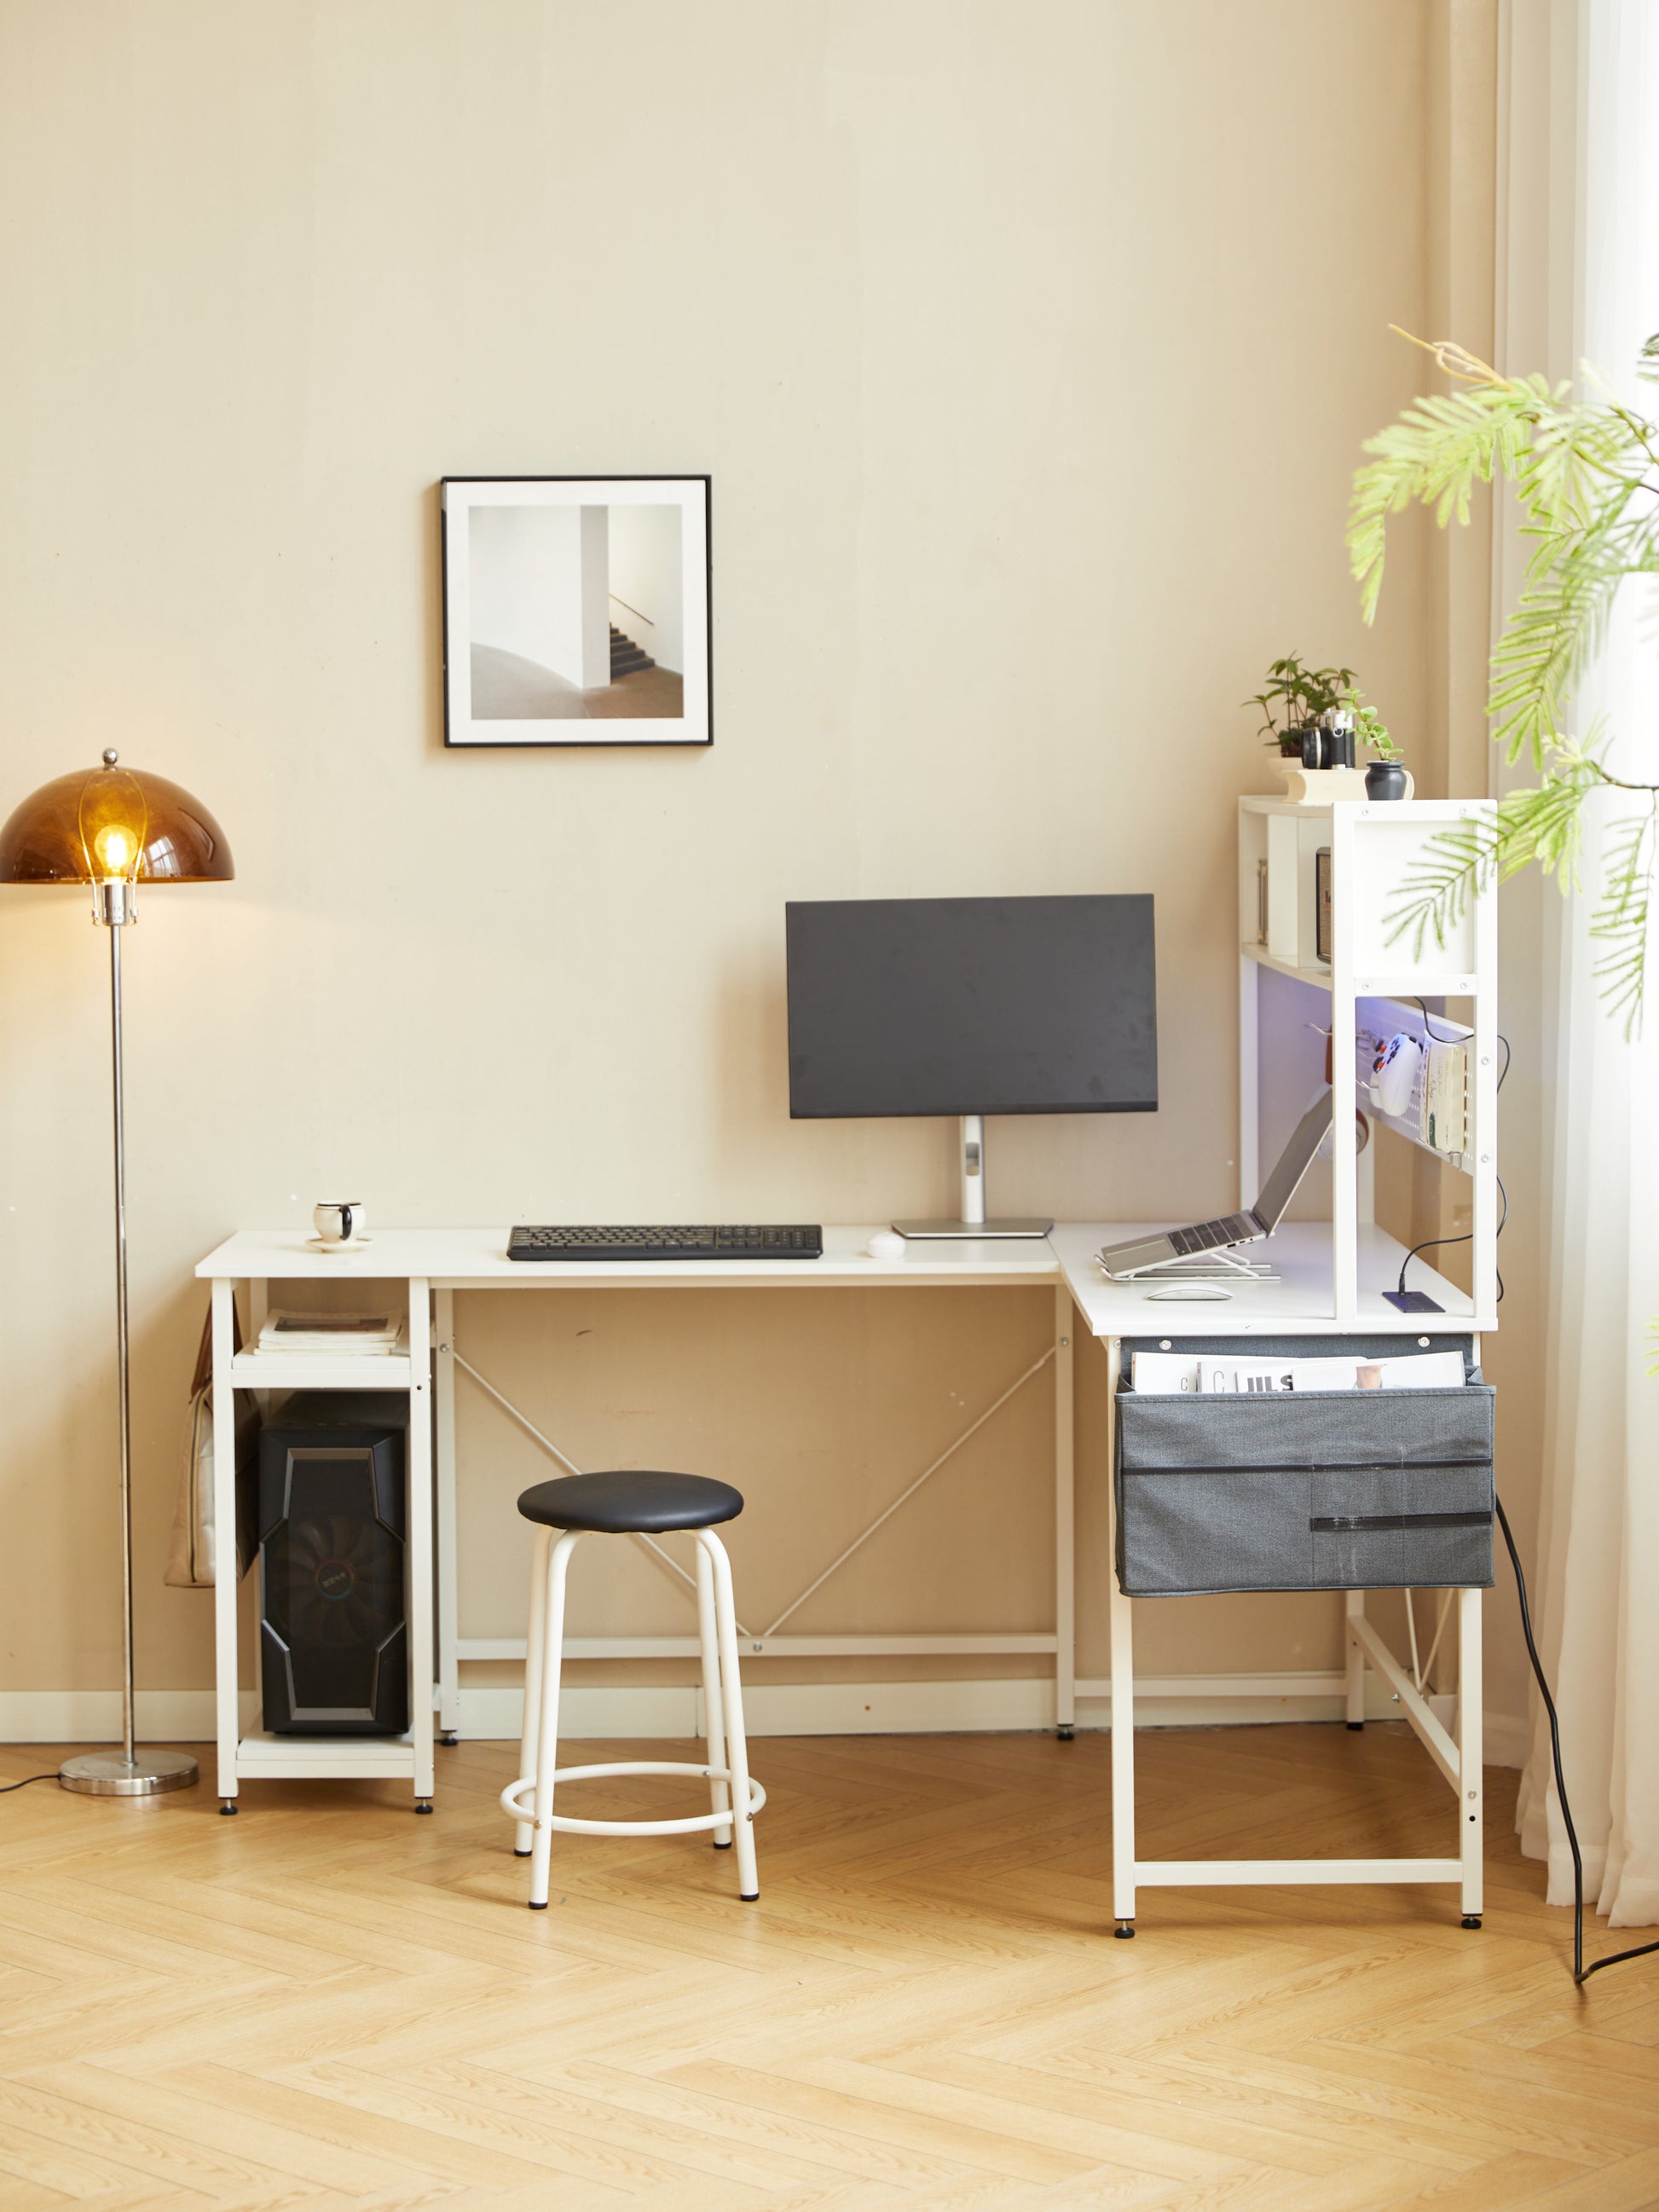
(333, 1546)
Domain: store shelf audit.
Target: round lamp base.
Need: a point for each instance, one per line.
(106, 1774)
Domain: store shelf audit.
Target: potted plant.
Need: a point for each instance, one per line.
(1299, 705)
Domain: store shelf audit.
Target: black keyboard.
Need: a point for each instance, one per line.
(1213, 1235)
(801, 1241)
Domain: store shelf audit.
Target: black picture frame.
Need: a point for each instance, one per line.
(574, 675)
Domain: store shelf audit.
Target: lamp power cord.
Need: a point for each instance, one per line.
(1581, 1973)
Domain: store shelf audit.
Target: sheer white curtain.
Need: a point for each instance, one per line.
(1597, 1602)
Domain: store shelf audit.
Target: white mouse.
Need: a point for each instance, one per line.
(886, 1244)
(1194, 1292)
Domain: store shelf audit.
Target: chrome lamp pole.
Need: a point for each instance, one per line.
(106, 828)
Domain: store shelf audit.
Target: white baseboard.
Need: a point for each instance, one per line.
(94, 1715)
(784, 1708)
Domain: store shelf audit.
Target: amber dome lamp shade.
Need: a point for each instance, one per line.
(110, 825)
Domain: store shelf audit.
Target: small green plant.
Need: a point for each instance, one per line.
(1304, 696)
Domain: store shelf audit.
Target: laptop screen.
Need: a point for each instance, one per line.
(1294, 1162)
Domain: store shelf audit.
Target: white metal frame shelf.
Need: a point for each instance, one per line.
(1374, 848)
(257, 1756)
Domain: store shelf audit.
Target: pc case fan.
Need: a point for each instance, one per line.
(333, 1626)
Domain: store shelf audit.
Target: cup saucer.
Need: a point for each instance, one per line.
(327, 1244)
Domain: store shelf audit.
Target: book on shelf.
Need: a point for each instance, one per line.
(348, 1335)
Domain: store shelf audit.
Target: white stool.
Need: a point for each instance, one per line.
(620, 1504)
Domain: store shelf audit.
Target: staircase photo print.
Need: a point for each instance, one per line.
(576, 611)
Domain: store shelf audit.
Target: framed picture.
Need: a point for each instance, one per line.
(576, 611)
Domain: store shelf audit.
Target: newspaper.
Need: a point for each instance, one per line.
(1162, 1373)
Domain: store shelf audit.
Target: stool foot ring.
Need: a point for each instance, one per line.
(1124, 1930)
(518, 1799)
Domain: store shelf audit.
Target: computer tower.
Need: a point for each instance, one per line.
(333, 1531)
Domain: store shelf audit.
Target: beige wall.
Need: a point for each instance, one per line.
(1029, 351)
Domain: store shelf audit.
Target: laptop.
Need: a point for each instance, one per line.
(1249, 1227)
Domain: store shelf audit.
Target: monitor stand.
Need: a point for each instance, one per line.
(973, 1222)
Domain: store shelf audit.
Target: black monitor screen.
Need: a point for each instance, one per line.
(971, 1006)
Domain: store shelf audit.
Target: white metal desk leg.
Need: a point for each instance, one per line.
(1123, 1696)
(1065, 1523)
(1355, 1659)
(1471, 1792)
(227, 1580)
(420, 1538)
(443, 1399)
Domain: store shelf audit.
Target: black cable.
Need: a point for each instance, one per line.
(1581, 1973)
(5, 1787)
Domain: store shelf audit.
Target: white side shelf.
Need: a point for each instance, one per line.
(1375, 848)
(258, 1756)
(297, 1370)
(324, 1757)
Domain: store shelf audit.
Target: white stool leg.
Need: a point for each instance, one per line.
(533, 1680)
(736, 1743)
(712, 1706)
(547, 1736)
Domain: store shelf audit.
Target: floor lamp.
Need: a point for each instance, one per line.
(109, 828)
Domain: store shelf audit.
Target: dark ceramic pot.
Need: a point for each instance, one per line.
(1385, 780)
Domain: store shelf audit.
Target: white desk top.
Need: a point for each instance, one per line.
(470, 1259)
(463, 1259)
(1300, 1252)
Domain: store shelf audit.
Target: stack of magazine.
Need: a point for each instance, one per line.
(1160, 1373)
(354, 1335)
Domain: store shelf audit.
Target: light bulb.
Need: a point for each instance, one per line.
(114, 848)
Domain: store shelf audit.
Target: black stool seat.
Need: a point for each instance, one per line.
(631, 1501)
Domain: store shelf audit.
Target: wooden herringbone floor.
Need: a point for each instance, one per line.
(327, 2001)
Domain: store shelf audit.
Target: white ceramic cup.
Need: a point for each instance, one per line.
(343, 1223)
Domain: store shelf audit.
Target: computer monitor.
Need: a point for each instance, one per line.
(972, 1006)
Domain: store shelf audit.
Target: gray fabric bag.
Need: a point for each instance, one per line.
(1304, 1490)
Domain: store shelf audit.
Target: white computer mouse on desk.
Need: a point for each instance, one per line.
(1195, 1293)
(886, 1244)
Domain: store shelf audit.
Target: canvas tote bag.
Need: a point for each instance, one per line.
(189, 1552)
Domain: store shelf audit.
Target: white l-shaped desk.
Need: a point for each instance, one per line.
(433, 1264)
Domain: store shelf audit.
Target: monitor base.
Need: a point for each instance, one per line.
(961, 1229)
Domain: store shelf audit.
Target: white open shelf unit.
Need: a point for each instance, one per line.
(250, 1753)
(1367, 987)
